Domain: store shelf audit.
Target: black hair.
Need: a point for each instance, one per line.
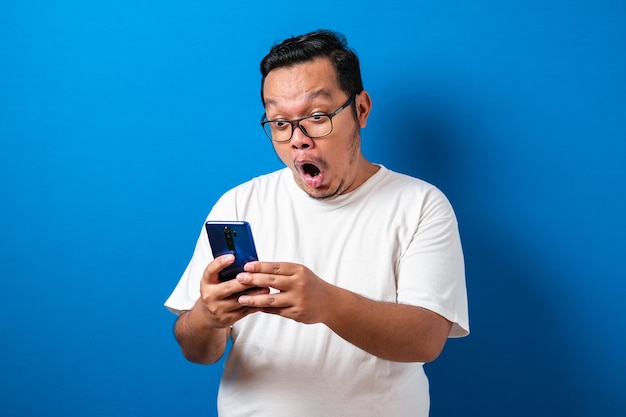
(321, 43)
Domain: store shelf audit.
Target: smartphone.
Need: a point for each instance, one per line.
(231, 237)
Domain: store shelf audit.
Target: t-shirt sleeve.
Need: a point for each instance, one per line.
(432, 271)
(187, 291)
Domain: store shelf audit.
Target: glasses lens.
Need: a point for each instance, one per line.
(317, 126)
(279, 130)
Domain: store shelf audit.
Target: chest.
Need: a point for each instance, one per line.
(357, 247)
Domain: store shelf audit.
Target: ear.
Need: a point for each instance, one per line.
(363, 104)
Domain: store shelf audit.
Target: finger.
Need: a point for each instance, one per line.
(231, 317)
(224, 295)
(262, 301)
(224, 307)
(212, 270)
(276, 268)
(258, 279)
(277, 275)
(254, 291)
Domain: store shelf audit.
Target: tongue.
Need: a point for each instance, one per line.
(313, 181)
(312, 175)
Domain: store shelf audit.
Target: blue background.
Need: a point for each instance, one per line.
(121, 122)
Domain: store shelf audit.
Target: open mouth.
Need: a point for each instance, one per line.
(310, 170)
(312, 174)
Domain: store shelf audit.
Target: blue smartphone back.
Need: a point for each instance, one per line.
(231, 237)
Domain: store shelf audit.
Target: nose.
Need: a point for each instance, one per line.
(299, 140)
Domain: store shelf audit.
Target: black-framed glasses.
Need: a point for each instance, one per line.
(317, 125)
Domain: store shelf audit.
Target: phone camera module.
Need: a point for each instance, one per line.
(229, 238)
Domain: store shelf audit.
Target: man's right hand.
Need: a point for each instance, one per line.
(219, 300)
(203, 331)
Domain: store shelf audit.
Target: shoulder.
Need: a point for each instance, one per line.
(251, 193)
(404, 185)
(259, 184)
(408, 194)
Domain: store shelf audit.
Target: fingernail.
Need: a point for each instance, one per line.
(243, 300)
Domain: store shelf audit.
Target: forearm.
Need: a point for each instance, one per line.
(199, 342)
(391, 331)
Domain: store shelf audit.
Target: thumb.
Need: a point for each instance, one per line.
(212, 270)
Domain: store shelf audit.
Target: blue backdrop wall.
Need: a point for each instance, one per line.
(121, 122)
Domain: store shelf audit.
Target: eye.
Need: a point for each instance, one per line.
(280, 124)
(318, 117)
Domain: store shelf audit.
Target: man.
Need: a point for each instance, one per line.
(364, 265)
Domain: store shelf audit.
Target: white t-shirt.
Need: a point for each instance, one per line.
(394, 239)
